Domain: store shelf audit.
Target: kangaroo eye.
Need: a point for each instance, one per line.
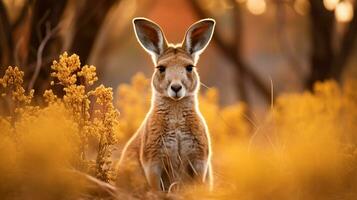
(189, 68)
(161, 69)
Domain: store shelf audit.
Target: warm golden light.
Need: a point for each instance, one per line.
(302, 6)
(344, 11)
(256, 7)
(331, 4)
(218, 6)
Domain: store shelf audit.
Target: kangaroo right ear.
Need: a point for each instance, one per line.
(150, 36)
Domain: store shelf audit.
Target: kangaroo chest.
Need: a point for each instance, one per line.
(178, 135)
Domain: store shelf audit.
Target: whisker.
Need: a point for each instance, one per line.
(204, 85)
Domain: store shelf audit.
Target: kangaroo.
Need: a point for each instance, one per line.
(172, 144)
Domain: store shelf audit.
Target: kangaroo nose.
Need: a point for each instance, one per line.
(176, 87)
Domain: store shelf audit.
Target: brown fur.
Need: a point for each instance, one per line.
(172, 145)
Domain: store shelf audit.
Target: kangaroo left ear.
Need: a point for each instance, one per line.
(198, 36)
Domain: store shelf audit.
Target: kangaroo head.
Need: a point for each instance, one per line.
(175, 75)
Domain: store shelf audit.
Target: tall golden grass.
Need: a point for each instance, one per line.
(305, 148)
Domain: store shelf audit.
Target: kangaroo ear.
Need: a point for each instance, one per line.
(150, 36)
(198, 36)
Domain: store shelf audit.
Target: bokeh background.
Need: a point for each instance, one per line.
(279, 95)
(259, 45)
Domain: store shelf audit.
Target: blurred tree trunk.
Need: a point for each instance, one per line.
(322, 28)
(348, 44)
(243, 71)
(237, 48)
(327, 62)
(6, 39)
(88, 23)
(233, 53)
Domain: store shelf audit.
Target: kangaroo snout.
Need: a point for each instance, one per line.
(176, 87)
(176, 91)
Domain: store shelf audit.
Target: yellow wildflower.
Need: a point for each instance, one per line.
(89, 74)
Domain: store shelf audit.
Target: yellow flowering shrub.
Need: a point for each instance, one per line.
(306, 148)
(43, 144)
(224, 123)
(133, 102)
(104, 123)
(13, 94)
(12, 84)
(33, 164)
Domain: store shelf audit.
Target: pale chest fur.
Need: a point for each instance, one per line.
(175, 132)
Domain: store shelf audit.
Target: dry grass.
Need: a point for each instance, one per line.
(304, 149)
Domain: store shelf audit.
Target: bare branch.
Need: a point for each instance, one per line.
(44, 11)
(49, 34)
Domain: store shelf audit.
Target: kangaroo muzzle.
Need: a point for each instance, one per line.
(176, 91)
